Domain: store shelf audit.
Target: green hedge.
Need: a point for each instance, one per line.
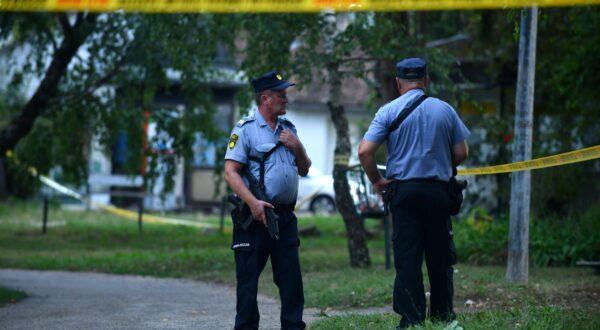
(482, 239)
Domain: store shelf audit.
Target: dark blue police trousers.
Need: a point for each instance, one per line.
(252, 249)
(422, 227)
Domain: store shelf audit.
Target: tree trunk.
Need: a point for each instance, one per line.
(386, 68)
(355, 231)
(22, 124)
(3, 193)
(386, 76)
(518, 239)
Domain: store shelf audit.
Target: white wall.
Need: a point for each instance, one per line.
(316, 132)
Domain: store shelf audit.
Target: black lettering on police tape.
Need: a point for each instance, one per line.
(590, 152)
(22, 4)
(587, 153)
(218, 2)
(135, 3)
(275, 2)
(193, 3)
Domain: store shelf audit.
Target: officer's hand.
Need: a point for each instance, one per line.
(381, 186)
(289, 139)
(258, 211)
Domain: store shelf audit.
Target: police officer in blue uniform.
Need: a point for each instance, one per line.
(251, 139)
(422, 152)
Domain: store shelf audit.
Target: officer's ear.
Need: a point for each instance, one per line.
(399, 85)
(260, 98)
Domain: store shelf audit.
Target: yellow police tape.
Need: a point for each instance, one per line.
(533, 164)
(151, 218)
(272, 6)
(550, 161)
(108, 208)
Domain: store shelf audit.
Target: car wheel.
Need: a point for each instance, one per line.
(322, 205)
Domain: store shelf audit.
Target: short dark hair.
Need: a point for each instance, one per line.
(258, 96)
(412, 80)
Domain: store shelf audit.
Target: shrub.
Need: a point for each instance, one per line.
(483, 240)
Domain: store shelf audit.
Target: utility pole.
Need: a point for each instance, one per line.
(518, 237)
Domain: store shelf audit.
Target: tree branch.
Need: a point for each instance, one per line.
(351, 72)
(22, 124)
(359, 59)
(48, 34)
(63, 20)
(90, 89)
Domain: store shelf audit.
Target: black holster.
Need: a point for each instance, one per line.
(240, 214)
(455, 190)
(388, 195)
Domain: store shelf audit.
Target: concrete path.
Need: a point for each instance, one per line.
(65, 300)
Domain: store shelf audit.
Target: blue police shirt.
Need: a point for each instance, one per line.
(253, 137)
(420, 148)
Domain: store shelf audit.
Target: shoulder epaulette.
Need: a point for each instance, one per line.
(244, 121)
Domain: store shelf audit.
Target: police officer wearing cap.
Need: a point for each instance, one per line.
(252, 138)
(422, 152)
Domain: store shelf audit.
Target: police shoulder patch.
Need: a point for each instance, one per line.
(233, 141)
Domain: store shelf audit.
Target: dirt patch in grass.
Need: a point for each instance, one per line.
(583, 296)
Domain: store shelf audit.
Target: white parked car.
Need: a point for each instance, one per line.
(367, 202)
(315, 193)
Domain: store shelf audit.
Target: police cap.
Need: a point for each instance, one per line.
(411, 68)
(270, 81)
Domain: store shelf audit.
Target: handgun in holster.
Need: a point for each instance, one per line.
(241, 214)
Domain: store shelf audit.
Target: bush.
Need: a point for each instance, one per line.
(561, 242)
(483, 240)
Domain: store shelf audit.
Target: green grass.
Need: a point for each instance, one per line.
(93, 241)
(8, 296)
(537, 318)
